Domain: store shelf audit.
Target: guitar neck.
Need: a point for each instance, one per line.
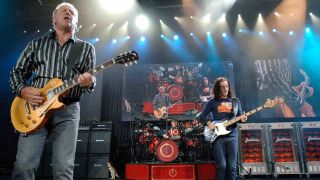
(69, 84)
(234, 120)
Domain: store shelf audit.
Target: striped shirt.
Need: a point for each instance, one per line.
(44, 59)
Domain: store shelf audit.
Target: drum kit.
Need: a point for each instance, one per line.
(167, 144)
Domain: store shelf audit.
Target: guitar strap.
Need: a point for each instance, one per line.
(235, 106)
(74, 55)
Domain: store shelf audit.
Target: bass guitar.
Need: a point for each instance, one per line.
(27, 118)
(211, 135)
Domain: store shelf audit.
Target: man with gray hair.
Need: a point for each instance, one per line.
(53, 56)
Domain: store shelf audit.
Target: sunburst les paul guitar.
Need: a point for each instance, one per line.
(211, 135)
(27, 118)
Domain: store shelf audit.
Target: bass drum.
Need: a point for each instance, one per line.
(167, 151)
(175, 92)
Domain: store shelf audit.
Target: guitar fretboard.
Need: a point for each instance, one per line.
(69, 84)
(234, 120)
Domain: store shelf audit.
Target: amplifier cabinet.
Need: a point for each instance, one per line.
(137, 171)
(173, 171)
(284, 147)
(97, 166)
(311, 145)
(100, 141)
(254, 152)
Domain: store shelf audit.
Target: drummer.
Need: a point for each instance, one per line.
(173, 132)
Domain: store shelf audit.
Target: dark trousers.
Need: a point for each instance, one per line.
(225, 151)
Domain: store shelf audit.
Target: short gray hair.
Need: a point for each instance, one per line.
(62, 4)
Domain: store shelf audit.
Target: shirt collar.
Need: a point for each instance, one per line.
(73, 37)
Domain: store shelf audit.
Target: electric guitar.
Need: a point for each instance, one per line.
(160, 112)
(211, 135)
(27, 118)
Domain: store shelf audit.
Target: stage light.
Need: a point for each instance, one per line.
(127, 37)
(80, 26)
(261, 33)
(25, 32)
(307, 30)
(118, 6)
(274, 30)
(94, 25)
(291, 33)
(97, 39)
(50, 30)
(114, 41)
(208, 33)
(276, 13)
(142, 22)
(191, 34)
(207, 18)
(191, 17)
(222, 18)
(142, 39)
(310, 13)
(240, 30)
(224, 35)
(162, 36)
(175, 37)
(38, 31)
(175, 18)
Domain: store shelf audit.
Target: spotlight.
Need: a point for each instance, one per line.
(191, 17)
(162, 36)
(310, 13)
(224, 35)
(80, 26)
(175, 37)
(114, 41)
(291, 33)
(127, 37)
(142, 22)
(191, 34)
(142, 39)
(97, 39)
(175, 18)
(261, 33)
(94, 25)
(274, 30)
(240, 30)
(208, 33)
(25, 32)
(50, 30)
(38, 31)
(307, 30)
(118, 6)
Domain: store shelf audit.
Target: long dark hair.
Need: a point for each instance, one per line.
(216, 88)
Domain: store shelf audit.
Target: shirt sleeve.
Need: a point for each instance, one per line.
(22, 70)
(205, 112)
(90, 63)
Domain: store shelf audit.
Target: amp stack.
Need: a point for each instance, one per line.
(285, 149)
(311, 146)
(253, 150)
(92, 153)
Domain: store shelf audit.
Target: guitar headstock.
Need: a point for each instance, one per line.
(304, 74)
(270, 103)
(128, 57)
